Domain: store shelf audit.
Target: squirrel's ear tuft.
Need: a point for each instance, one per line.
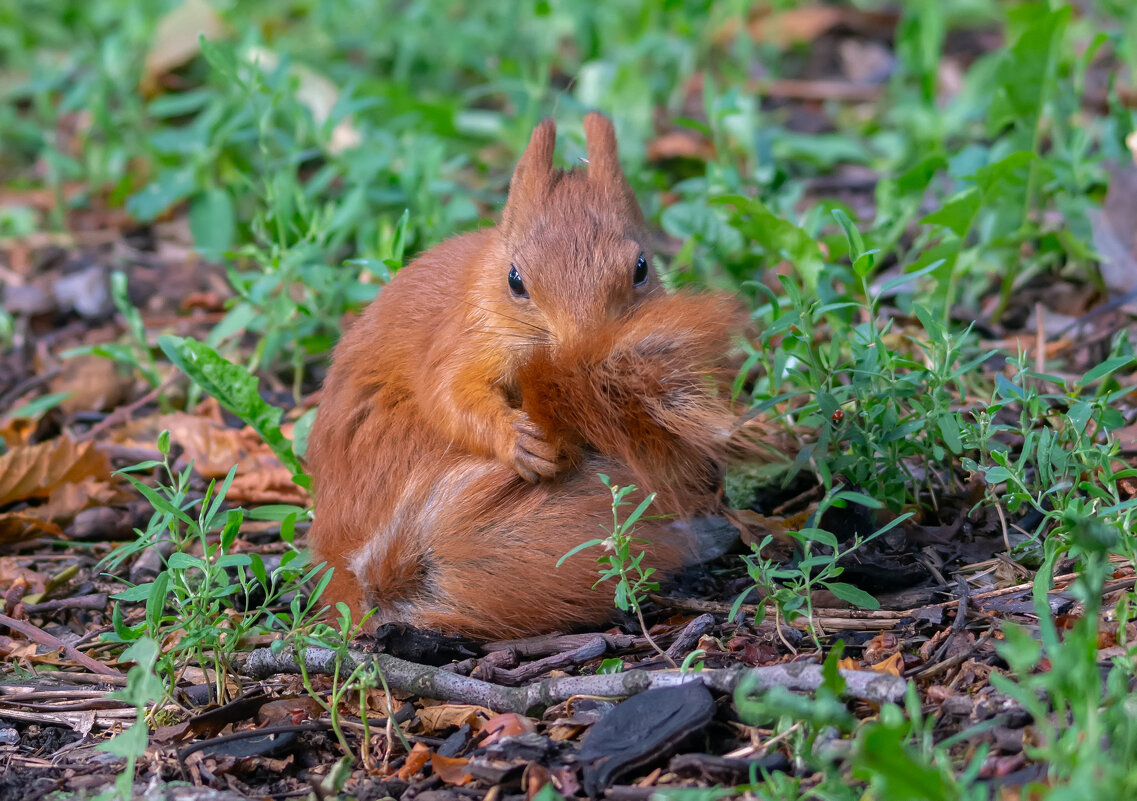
(604, 163)
(533, 170)
(603, 155)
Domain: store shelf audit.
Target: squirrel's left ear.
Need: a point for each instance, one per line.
(604, 160)
(532, 174)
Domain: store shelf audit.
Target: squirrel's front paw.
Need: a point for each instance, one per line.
(532, 456)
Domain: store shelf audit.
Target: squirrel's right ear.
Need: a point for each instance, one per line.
(532, 172)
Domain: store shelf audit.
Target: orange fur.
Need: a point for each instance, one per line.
(457, 447)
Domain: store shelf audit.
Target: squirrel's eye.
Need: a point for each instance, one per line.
(640, 275)
(516, 285)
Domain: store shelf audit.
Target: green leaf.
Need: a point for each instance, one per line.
(301, 431)
(236, 390)
(139, 592)
(1105, 368)
(44, 403)
(184, 561)
(170, 187)
(884, 758)
(156, 601)
(949, 430)
(957, 213)
(1023, 73)
(578, 549)
(131, 742)
(1007, 389)
(861, 259)
(777, 236)
(274, 511)
(212, 221)
(853, 595)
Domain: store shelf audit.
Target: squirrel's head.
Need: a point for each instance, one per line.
(574, 247)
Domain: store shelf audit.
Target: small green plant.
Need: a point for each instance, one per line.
(1078, 707)
(633, 579)
(789, 588)
(143, 688)
(362, 677)
(207, 597)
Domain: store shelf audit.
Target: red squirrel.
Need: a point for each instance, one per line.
(468, 412)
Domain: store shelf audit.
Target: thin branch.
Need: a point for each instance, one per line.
(433, 682)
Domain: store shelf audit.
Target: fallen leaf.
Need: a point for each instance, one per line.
(213, 447)
(445, 716)
(892, 666)
(881, 646)
(35, 471)
(176, 39)
(272, 484)
(318, 94)
(451, 770)
(289, 710)
(795, 26)
(17, 431)
(16, 526)
(680, 145)
(754, 526)
(91, 383)
(508, 725)
(1114, 235)
(416, 761)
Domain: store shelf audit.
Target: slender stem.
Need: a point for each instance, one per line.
(651, 642)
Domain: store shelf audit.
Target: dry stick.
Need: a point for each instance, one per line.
(38, 635)
(433, 682)
(939, 667)
(864, 615)
(790, 89)
(689, 637)
(593, 649)
(123, 413)
(94, 602)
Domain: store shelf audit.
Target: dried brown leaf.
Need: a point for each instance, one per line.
(176, 38)
(35, 471)
(451, 770)
(508, 725)
(445, 716)
(680, 145)
(91, 383)
(416, 761)
(795, 26)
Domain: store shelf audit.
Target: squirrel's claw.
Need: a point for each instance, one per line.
(533, 457)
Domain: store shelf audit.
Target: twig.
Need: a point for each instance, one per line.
(689, 637)
(546, 644)
(789, 89)
(95, 602)
(38, 635)
(27, 385)
(958, 659)
(831, 616)
(123, 413)
(432, 682)
(593, 649)
(247, 734)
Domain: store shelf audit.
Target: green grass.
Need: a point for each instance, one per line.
(864, 352)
